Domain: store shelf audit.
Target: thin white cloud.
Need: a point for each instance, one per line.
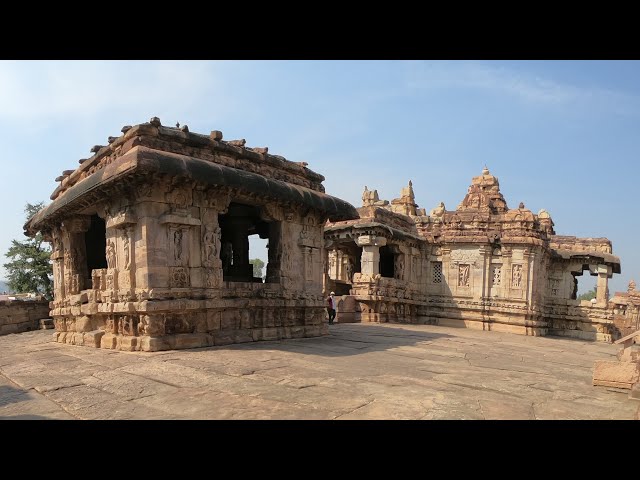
(526, 87)
(41, 91)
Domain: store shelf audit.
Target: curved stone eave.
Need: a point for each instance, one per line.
(148, 161)
(590, 257)
(369, 225)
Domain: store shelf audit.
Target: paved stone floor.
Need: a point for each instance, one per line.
(359, 371)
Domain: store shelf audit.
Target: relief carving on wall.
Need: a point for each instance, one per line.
(179, 198)
(217, 200)
(399, 267)
(516, 276)
(463, 275)
(110, 280)
(349, 269)
(213, 278)
(497, 275)
(128, 325)
(178, 246)
(211, 245)
(308, 263)
(178, 277)
(126, 250)
(152, 325)
(111, 325)
(144, 191)
(111, 254)
(467, 256)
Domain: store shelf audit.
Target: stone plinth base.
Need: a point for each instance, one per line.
(611, 373)
(635, 392)
(100, 339)
(581, 334)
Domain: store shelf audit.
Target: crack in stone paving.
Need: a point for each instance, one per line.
(512, 370)
(482, 389)
(363, 405)
(481, 411)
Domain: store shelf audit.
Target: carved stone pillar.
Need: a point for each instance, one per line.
(332, 258)
(602, 291)
(57, 257)
(76, 276)
(528, 274)
(370, 260)
(485, 274)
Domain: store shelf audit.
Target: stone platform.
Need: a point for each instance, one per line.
(358, 371)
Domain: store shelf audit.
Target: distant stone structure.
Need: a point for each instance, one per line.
(481, 265)
(22, 315)
(150, 243)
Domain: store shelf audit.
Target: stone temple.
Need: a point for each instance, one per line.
(150, 241)
(482, 265)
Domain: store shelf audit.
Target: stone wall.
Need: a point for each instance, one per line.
(19, 316)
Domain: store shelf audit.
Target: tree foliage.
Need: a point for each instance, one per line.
(588, 295)
(30, 269)
(257, 267)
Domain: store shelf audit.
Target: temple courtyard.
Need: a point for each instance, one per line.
(358, 371)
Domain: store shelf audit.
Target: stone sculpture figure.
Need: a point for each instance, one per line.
(125, 245)
(438, 212)
(111, 255)
(463, 278)
(177, 240)
(349, 270)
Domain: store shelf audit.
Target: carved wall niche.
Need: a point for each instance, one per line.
(179, 242)
(516, 276)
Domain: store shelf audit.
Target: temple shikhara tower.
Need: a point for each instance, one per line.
(482, 265)
(151, 249)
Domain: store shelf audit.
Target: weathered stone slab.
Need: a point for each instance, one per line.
(610, 373)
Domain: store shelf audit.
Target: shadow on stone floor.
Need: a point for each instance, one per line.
(24, 417)
(9, 394)
(343, 340)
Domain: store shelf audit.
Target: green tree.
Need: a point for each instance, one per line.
(30, 269)
(257, 267)
(589, 295)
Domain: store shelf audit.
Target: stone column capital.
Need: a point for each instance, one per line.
(371, 240)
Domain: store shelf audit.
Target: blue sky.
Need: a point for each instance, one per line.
(559, 135)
